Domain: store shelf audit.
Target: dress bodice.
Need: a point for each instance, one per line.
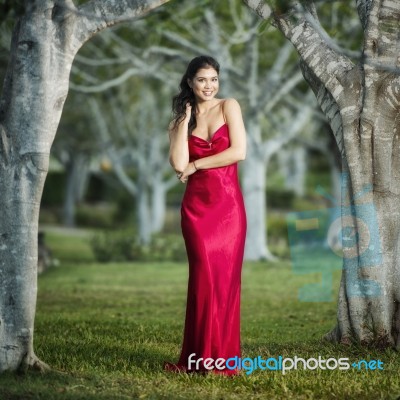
(199, 147)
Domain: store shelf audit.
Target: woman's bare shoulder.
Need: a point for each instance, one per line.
(230, 105)
(230, 102)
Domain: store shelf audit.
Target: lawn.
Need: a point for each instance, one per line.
(106, 330)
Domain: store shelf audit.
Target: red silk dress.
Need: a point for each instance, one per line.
(214, 229)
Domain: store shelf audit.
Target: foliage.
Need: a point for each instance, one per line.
(277, 235)
(280, 6)
(280, 198)
(277, 226)
(123, 214)
(54, 189)
(96, 216)
(113, 246)
(123, 245)
(11, 9)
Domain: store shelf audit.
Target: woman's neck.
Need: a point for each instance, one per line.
(203, 107)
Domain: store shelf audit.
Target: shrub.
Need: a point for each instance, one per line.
(123, 245)
(280, 198)
(96, 216)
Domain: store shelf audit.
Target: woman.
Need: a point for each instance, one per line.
(207, 139)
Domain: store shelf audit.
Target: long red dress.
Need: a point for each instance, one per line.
(214, 229)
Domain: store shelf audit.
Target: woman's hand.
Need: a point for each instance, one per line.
(189, 170)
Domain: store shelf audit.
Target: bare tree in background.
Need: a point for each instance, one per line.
(136, 140)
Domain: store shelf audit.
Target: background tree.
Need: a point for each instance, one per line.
(360, 95)
(73, 148)
(45, 41)
(136, 142)
(136, 127)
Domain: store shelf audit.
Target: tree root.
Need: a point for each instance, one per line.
(333, 336)
(32, 363)
(376, 341)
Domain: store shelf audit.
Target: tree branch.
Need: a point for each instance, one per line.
(313, 20)
(283, 90)
(102, 62)
(329, 66)
(104, 134)
(260, 7)
(97, 15)
(186, 44)
(108, 84)
(296, 124)
(381, 34)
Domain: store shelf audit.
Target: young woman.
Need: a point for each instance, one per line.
(207, 139)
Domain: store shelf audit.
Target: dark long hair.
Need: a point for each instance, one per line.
(186, 93)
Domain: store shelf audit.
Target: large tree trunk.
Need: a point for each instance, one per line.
(35, 89)
(45, 41)
(362, 105)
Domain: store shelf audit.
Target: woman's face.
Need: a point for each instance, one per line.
(205, 84)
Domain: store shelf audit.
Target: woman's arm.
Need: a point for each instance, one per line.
(178, 149)
(237, 149)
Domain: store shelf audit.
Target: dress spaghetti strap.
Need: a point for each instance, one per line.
(222, 109)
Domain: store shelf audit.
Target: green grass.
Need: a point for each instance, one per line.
(106, 330)
(70, 245)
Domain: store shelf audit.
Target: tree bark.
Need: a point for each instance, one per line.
(361, 102)
(45, 42)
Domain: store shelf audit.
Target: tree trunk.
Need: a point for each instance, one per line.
(45, 41)
(76, 175)
(362, 105)
(143, 214)
(254, 187)
(370, 283)
(293, 165)
(37, 83)
(158, 204)
(335, 178)
(366, 128)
